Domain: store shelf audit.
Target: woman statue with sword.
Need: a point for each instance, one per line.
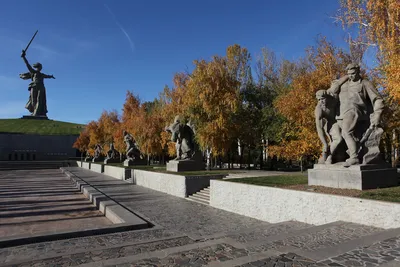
(37, 99)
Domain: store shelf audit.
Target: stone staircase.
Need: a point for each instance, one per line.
(202, 197)
(282, 244)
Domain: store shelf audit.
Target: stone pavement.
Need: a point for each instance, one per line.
(191, 234)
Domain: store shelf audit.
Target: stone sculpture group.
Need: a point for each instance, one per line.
(347, 120)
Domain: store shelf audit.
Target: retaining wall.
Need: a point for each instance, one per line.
(278, 205)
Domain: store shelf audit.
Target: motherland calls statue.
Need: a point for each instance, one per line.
(36, 105)
(349, 113)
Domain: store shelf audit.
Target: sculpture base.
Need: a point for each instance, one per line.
(34, 117)
(111, 161)
(185, 165)
(128, 163)
(361, 177)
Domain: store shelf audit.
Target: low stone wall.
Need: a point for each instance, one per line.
(86, 165)
(79, 163)
(277, 205)
(117, 172)
(177, 185)
(167, 183)
(97, 167)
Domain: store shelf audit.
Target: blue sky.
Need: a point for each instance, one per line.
(97, 50)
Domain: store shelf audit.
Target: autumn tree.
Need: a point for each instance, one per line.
(213, 99)
(107, 124)
(144, 121)
(82, 142)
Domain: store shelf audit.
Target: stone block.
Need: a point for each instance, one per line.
(361, 177)
(117, 172)
(86, 165)
(97, 167)
(185, 165)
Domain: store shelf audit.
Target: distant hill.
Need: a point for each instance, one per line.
(42, 127)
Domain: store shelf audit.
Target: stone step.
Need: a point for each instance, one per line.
(200, 196)
(205, 193)
(198, 200)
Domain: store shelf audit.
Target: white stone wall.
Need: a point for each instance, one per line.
(96, 167)
(277, 205)
(86, 165)
(116, 172)
(164, 182)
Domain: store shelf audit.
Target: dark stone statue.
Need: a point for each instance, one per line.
(349, 113)
(183, 136)
(97, 153)
(88, 156)
(133, 155)
(111, 153)
(36, 105)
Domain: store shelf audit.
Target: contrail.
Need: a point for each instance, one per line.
(121, 28)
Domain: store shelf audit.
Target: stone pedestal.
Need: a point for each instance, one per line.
(35, 117)
(361, 177)
(128, 163)
(185, 165)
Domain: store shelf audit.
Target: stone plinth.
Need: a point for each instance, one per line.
(185, 165)
(361, 177)
(128, 163)
(35, 117)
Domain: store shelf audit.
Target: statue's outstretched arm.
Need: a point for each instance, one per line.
(31, 70)
(48, 76)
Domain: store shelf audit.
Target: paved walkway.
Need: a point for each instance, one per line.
(191, 234)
